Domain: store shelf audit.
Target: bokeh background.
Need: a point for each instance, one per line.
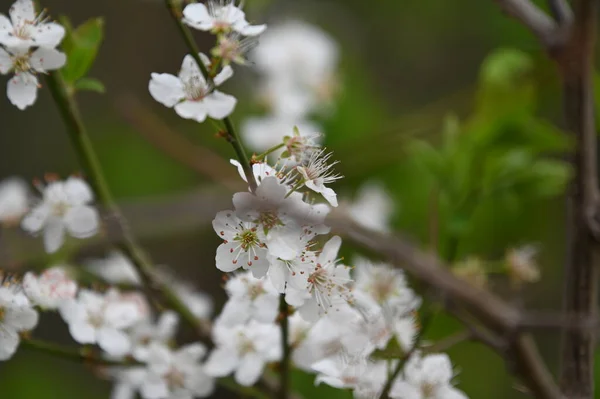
(405, 67)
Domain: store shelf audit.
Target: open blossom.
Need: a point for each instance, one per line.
(242, 245)
(427, 377)
(14, 201)
(245, 349)
(25, 64)
(220, 16)
(25, 29)
(250, 298)
(65, 206)
(326, 281)
(316, 172)
(51, 288)
(102, 319)
(281, 270)
(190, 94)
(261, 133)
(147, 332)
(16, 315)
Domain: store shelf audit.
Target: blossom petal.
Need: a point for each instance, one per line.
(47, 59)
(22, 11)
(330, 250)
(22, 90)
(223, 76)
(83, 332)
(22, 318)
(190, 71)
(49, 35)
(224, 259)
(166, 89)
(114, 342)
(196, 110)
(219, 105)
(78, 191)
(196, 15)
(9, 341)
(249, 370)
(54, 235)
(82, 221)
(250, 30)
(6, 62)
(36, 219)
(221, 362)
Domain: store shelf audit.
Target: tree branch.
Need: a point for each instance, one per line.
(561, 11)
(536, 20)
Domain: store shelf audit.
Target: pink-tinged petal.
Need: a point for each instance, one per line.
(221, 362)
(196, 110)
(22, 90)
(83, 332)
(114, 342)
(249, 370)
(36, 219)
(82, 221)
(54, 235)
(166, 89)
(48, 35)
(196, 15)
(224, 75)
(219, 105)
(22, 11)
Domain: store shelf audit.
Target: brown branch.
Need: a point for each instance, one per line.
(536, 20)
(494, 313)
(581, 275)
(561, 11)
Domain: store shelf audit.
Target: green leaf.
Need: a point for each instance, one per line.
(90, 84)
(81, 47)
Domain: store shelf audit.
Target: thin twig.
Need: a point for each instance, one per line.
(530, 15)
(561, 11)
(286, 350)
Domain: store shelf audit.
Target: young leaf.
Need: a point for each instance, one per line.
(81, 46)
(90, 84)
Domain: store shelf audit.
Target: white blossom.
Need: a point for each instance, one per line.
(65, 206)
(245, 349)
(25, 64)
(190, 94)
(14, 200)
(261, 133)
(16, 315)
(242, 245)
(250, 298)
(316, 172)
(51, 288)
(220, 16)
(372, 207)
(147, 332)
(25, 29)
(102, 319)
(199, 303)
(233, 48)
(426, 377)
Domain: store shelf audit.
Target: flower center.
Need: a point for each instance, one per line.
(269, 219)
(96, 320)
(21, 63)
(23, 31)
(60, 208)
(175, 378)
(247, 239)
(195, 89)
(245, 346)
(428, 390)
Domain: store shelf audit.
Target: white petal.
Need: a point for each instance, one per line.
(251, 30)
(22, 90)
(21, 318)
(266, 308)
(221, 362)
(6, 62)
(166, 89)
(154, 387)
(83, 332)
(122, 391)
(200, 384)
(54, 235)
(309, 311)
(78, 191)
(114, 342)
(219, 105)
(48, 35)
(330, 196)
(47, 59)
(190, 71)
(9, 341)
(196, 110)
(278, 274)
(82, 221)
(224, 75)
(330, 250)
(235, 312)
(22, 11)
(36, 219)
(225, 259)
(197, 16)
(249, 370)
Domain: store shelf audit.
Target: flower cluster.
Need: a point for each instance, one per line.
(28, 44)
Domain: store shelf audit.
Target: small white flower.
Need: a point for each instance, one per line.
(522, 267)
(250, 298)
(299, 147)
(145, 333)
(232, 48)
(260, 171)
(22, 87)
(241, 247)
(25, 29)
(326, 281)
(220, 16)
(65, 206)
(190, 94)
(281, 270)
(261, 133)
(316, 173)
(16, 315)
(372, 207)
(102, 319)
(245, 349)
(51, 288)
(175, 374)
(14, 202)
(114, 269)
(427, 377)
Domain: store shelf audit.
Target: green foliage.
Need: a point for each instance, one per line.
(81, 46)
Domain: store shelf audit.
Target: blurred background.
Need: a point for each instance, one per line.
(451, 106)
